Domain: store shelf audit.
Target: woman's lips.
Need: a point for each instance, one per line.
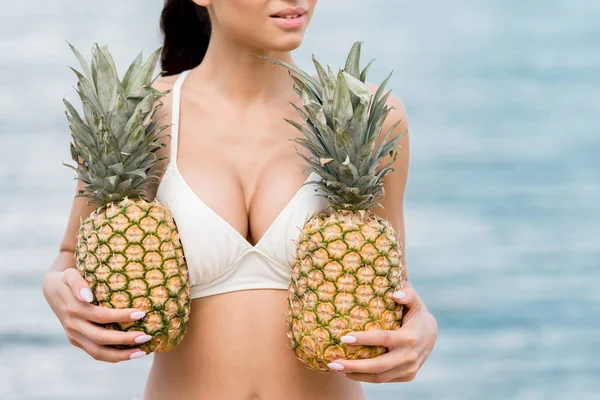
(290, 18)
(290, 22)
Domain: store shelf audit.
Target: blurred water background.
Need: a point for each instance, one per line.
(503, 210)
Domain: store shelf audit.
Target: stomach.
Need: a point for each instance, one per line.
(236, 348)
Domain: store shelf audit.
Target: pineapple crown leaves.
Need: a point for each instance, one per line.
(343, 131)
(114, 146)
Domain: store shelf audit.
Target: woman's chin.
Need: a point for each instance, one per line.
(286, 42)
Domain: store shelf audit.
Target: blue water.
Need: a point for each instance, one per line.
(502, 208)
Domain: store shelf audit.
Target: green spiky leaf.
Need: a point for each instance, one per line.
(353, 61)
(342, 131)
(113, 149)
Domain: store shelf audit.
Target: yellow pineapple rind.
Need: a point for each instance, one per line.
(347, 265)
(131, 256)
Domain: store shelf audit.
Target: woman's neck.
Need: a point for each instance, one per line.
(229, 69)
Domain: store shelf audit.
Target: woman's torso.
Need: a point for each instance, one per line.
(236, 168)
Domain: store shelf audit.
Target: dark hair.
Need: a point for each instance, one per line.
(186, 30)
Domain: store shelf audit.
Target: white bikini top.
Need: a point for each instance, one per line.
(219, 258)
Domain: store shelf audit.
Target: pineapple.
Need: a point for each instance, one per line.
(128, 249)
(348, 259)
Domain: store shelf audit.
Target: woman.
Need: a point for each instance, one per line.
(230, 148)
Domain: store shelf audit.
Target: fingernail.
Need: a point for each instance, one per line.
(137, 354)
(348, 339)
(87, 295)
(143, 338)
(137, 315)
(399, 294)
(342, 373)
(336, 366)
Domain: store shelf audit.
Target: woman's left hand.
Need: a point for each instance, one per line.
(409, 346)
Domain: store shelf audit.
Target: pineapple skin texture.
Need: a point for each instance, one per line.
(347, 266)
(131, 256)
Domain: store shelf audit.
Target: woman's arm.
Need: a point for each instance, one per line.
(410, 345)
(395, 182)
(69, 296)
(66, 256)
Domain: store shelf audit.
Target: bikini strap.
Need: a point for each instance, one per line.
(175, 110)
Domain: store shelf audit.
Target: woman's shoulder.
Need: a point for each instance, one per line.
(163, 116)
(398, 112)
(165, 82)
(392, 100)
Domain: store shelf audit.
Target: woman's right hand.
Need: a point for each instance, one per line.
(69, 296)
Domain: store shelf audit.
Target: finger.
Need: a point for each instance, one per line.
(80, 288)
(373, 378)
(105, 315)
(407, 378)
(375, 365)
(405, 295)
(103, 336)
(386, 338)
(73, 338)
(108, 354)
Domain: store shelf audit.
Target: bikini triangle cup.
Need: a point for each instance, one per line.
(219, 258)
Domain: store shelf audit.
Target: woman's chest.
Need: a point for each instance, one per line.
(246, 171)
